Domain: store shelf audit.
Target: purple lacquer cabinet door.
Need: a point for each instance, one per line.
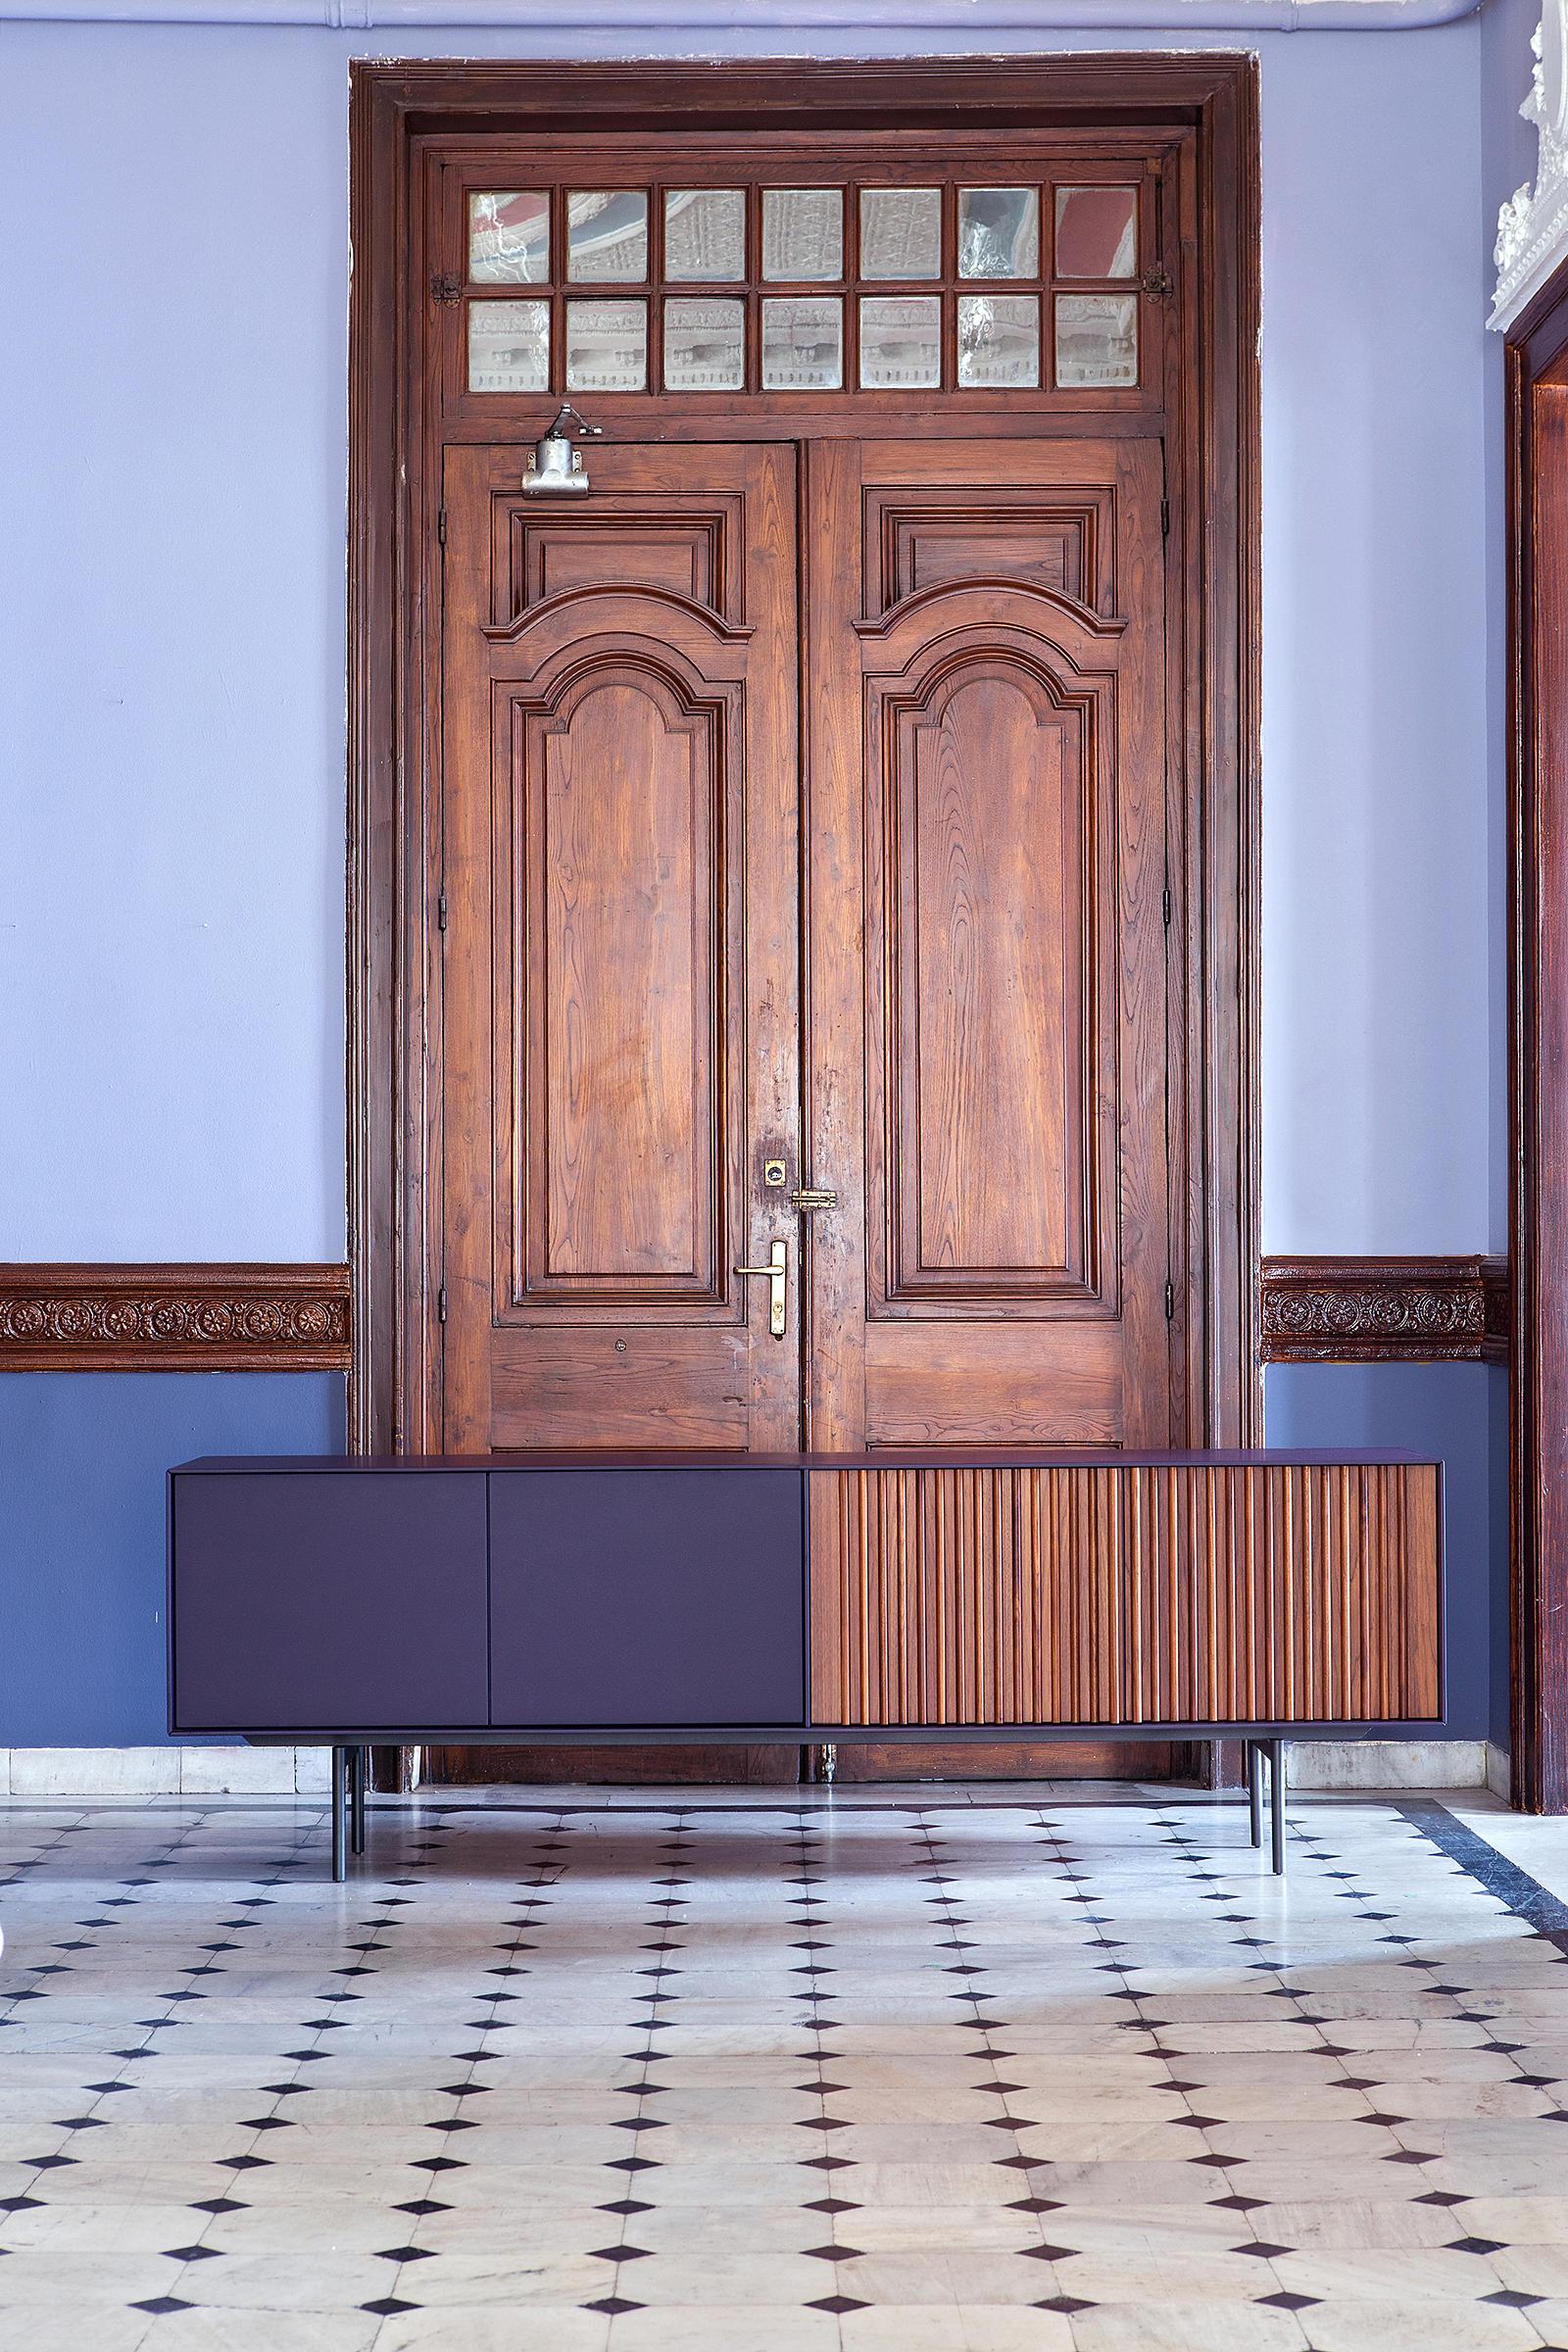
(329, 1602)
(647, 1596)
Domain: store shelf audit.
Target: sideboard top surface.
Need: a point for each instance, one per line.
(902, 1457)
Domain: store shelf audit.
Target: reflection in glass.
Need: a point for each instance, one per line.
(901, 340)
(606, 236)
(704, 233)
(901, 232)
(802, 343)
(509, 346)
(607, 346)
(802, 232)
(998, 339)
(1097, 340)
(509, 239)
(705, 344)
(1097, 232)
(999, 232)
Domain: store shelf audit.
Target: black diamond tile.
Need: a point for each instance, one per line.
(1035, 2205)
(1066, 2303)
(1474, 2245)
(833, 2253)
(837, 2303)
(220, 2205)
(613, 2305)
(625, 2205)
(388, 2306)
(1263, 2249)
(1048, 2253)
(423, 2205)
(1284, 2301)
(1513, 2299)
(831, 2205)
(402, 2254)
(190, 2253)
(162, 2303)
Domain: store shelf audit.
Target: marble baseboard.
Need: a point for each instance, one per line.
(1388, 1764)
(1500, 1771)
(210, 1770)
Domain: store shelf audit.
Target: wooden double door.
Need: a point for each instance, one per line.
(806, 907)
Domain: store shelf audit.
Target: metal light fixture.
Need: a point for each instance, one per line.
(557, 460)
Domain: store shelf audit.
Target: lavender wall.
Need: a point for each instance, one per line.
(173, 276)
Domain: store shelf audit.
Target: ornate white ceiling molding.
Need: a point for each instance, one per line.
(1533, 226)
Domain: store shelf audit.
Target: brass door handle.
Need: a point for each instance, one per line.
(778, 1271)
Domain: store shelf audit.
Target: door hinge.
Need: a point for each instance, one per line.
(1164, 521)
(441, 911)
(441, 1305)
(1170, 1302)
(441, 526)
(1164, 909)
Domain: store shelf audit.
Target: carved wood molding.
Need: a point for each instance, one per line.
(1384, 1310)
(201, 1318)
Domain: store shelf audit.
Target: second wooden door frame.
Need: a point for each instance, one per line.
(1537, 362)
(1211, 100)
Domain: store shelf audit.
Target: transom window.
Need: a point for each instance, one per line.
(809, 285)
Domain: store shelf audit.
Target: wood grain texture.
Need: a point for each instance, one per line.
(620, 952)
(170, 1318)
(1125, 1594)
(1537, 1048)
(989, 817)
(1384, 1310)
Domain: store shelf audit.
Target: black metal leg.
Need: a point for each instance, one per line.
(339, 1811)
(1255, 1790)
(1276, 1792)
(357, 1760)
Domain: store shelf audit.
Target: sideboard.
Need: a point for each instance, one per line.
(596, 1598)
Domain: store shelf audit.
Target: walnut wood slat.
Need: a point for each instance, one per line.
(1212, 1593)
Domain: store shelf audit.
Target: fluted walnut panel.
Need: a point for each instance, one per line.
(1191, 1593)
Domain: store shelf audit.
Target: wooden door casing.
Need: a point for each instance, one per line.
(987, 910)
(621, 947)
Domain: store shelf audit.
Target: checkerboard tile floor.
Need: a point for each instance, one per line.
(929, 2075)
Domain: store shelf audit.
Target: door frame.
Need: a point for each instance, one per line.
(1208, 103)
(1537, 392)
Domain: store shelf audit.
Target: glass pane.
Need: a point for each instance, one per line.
(1097, 232)
(705, 344)
(998, 339)
(607, 346)
(509, 347)
(803, 344)
(901, 340)
(509, 239)
(607, 235)
(802, 232)
(705, 232)
(1097, 340)
(901, 232)
(999, 232)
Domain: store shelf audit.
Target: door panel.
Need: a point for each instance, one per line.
(309, 1601)
(622, 957)
(986, 1071)
(683, 1605)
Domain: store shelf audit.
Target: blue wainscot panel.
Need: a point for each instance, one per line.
(82, 1458)
(1461, 1413)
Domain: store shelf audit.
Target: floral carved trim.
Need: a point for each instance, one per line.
(107, 1318)
(1384, 1310)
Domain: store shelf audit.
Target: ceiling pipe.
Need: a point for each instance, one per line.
(569, 16)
